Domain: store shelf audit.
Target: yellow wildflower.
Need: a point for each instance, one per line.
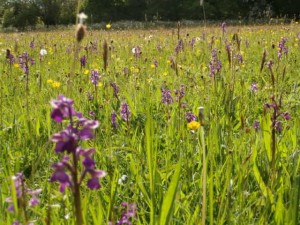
(108, 26)
(134, 69)
(56, 84)
(194, 125)
(152, 66)
(86, 72)
(150, 80)
(49, 81)
(16, 65)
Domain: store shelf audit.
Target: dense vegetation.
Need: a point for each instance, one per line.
(21, 13)
(187, 126)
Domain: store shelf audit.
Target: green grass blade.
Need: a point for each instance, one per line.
(168, 201)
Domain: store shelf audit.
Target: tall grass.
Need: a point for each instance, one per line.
(225, 172)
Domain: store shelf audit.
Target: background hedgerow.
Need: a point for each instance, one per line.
(152, 137)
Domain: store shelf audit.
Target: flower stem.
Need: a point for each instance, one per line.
(204, 176)
(77, 199)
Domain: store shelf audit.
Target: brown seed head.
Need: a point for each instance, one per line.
(80, 32)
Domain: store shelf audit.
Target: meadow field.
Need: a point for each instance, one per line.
(187, 125)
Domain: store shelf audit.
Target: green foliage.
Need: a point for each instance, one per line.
(53, 12)
(20, 15)
(168, 176)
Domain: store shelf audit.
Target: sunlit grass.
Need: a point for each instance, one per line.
(158, 150)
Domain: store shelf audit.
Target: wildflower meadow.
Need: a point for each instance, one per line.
(183, 125)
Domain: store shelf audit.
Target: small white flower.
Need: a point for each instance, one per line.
(81, 17)
(43, 52)
(67, 216)
(122, 179)
(134, 50)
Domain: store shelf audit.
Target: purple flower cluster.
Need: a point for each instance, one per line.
(22, 192)
(180, 93)
(32, 45)
(83, 61)
(68, 140)
(239, 58)
(223, 26)
(114, 119)
(62, 176)
(166, 96)
(95, 77)
(173, 63)
(215, 65)
(270, 64)
(129, 213)
(10, 57)
(137, 52)
(115, 88)
(254, 87)
(190, 117)
(159, 47)
(125, 70)
(192, 42)
(179, 47)
(24, 61)
(282, 49)
(256, 125)
(276, 124)
(155, 63)
(125, 112)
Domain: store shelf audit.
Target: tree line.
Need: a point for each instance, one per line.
(22, 13)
